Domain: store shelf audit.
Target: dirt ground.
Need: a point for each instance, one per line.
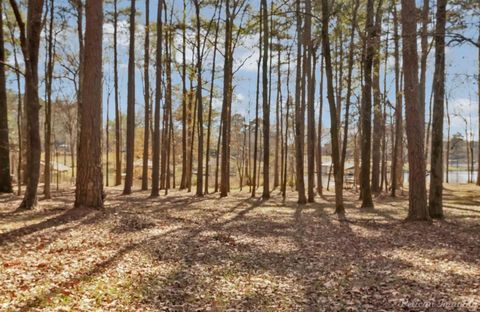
(183, 253)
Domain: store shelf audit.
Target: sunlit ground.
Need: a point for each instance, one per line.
(180, 252)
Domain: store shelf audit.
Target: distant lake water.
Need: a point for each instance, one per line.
(454, 177)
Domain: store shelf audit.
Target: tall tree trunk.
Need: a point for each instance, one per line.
(339, 208)
(366, 110)
(447, 157)
(89, 188)
(257, 105)
(320, 122)
(210, 102)
(130, 105)
(217, 156)
(5, 179)
(478, 91)
(48, 106)
(167, 120)
(79, 7)
(436, 171)
(278, 122)
(199, 105)
(107, 144)
(397, 154)
(310, 72)
(158, 96)
(30, 42)
(299, 115)
(146, 65)
(287, 104)
(424, 53)
(349, 83)
(266, 105)
(20, 117)
(377, 106)
(118, 133)
(183, 181)
(227, 100)
(415, 116)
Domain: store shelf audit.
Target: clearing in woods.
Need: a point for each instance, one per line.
(181, 252)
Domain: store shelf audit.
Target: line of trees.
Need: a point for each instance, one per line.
(337, 46)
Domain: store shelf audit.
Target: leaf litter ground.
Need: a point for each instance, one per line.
(183, 253)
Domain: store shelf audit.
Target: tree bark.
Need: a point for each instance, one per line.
(5, 179)
(257, 104)
(183, 181)
(158, 96)
(377, 106)
(339, 208)
(146, 132)
(89, 188)
(199, 105)
(30, 42)
(48, 106)
(310, 93)
(397, 154)
(436, 171)
(210, 102)
(130, 150)
(227, 100)
(118, 134)
(349, 83)
(266, 105)
(415, 114)
(299, 116)
(366, 110)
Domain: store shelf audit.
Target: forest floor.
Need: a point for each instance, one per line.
(184, 253)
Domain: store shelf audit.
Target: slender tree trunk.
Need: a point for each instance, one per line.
(377, 106)
(415, 116)
(20, 117)
(299, 115)
(320, 122)
(89, 189)
(339, 208)
(130, 105)
(118, 133)
(158, 96)
(349, 84)
(107, 144)
(424, 53)
(30, 42)
(436, 176)
(287, 104)
(257, 105)
(79, 7)
(310, 93)
(183, 181)
(447, 158)
(199, 105)
(5, 179)
(146, 132)
(227, 100)
(48, 105)
(210, 102)
(167, 142)
(397, 163)
(266, 105)
(278, 123)
(217, 156)
(366, 110)
(478, 91)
